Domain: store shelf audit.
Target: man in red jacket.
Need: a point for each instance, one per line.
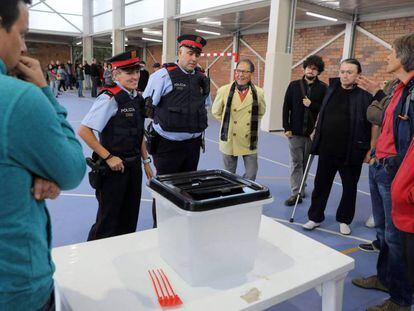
(402, 193)
(392, 145)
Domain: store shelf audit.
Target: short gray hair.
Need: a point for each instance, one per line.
(248, 62)
(404, 49)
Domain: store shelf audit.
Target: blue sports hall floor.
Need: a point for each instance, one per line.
(74, 211)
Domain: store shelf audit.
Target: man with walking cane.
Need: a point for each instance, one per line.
(303, 100)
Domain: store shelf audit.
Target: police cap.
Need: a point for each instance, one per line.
(192, 41)
(125, 60)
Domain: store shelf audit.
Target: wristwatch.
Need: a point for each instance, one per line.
(146, 161)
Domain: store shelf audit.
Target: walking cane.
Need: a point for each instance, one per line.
(302, 183)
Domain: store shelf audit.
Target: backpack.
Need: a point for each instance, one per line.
(376, 111)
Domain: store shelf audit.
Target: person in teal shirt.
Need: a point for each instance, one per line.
(39, 155)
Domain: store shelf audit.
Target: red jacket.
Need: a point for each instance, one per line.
(402, 192)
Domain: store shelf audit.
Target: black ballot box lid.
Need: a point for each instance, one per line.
(207, 189)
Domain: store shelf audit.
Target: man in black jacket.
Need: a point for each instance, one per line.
(87, 69)
(303, 100)
(95, 78)
(342, 141)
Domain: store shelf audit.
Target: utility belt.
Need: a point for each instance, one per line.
(99, 168)
(152, 139)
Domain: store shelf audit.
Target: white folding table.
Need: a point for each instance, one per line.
(112, 274)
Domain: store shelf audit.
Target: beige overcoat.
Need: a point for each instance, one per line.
(238, 142)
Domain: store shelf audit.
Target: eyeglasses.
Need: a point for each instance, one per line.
(243, 71)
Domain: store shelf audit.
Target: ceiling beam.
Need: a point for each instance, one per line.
(149, 24)
(224, 9)
(397, 13)
(51, 41)
(52, 32)
(64, 18)
(309, 7)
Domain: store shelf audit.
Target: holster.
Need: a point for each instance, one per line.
(151, 139)
(98, 170)
(206, 86)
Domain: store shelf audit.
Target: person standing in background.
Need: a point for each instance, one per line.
(87, 71)
(51, 75)
(95, 78)
(107, 75)
(143, 77)
(239, 106)
(303, 100)
(79, 79)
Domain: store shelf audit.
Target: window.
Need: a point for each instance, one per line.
(143, 11)
(191, 5)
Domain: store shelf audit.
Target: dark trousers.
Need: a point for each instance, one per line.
(175, 157)
(94, 89)
(327, 168)
(119, 200)
(61, 84)
(408, 248)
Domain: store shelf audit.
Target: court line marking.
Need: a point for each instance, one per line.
(278, 219)
(274, 218)
(288, 166)
(350, 250)
(353, 237)
(81, 195)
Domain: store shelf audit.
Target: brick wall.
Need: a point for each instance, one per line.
(220, 71)
(371, 54)
(45, 52)
(309, 39)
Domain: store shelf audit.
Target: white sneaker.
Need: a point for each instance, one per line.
(344, 229)
(370, 222)
(310, 225)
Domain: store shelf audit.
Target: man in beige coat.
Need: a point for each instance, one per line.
(239, 106)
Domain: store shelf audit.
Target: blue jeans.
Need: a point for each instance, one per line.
(80, 88)
(391, 270)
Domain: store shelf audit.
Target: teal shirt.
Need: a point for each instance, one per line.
(35, 140)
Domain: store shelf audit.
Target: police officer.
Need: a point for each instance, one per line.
(180, 93)
(117, 115)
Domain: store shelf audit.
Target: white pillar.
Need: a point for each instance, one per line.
(348, 49)
(144, 53)
(278, 61)
(87, 40)
(170, 32)
(235, 59)
(118, 35)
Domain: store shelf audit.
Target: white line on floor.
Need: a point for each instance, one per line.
(81, 195)
(325, 230)
(287, 166)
